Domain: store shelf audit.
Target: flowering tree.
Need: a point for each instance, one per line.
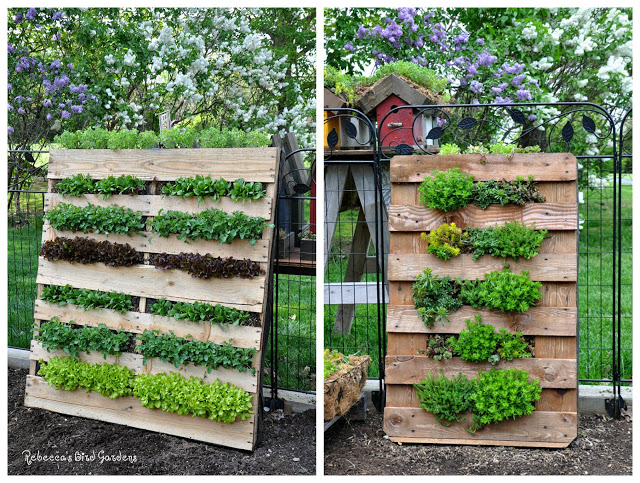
(122, 67)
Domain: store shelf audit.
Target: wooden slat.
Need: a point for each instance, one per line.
(136, 323)
(541, 428)
(252, 164)
(544, 268)
(129, 411)
(550, 321)
(552, 373)
(546, 216)
(147, 242)
(148, 281)
(352, 293)
(150, 205)
(543, 166)
(244, 380)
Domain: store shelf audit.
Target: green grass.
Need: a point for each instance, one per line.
(594, 297)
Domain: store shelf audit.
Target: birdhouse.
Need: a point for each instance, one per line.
(352, 131)
(405, 126)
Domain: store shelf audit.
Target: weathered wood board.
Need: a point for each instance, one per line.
(148, 283)
(552, 323)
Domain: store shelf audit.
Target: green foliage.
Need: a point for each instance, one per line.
(446, 398)
(178, 137)
(448, 149)
(175, 394)
(68, 140)
(434, 297)
(87, 299)
(204, 186)
(99, 138)
(87, 250)
(502, 394)
(110, 380)
(95, 219)
(509, 292)
(445, 241)
(93, 138)
(334, 361)
(179, 350)
(439, 347)
(446, 191)
(232, 138)
(493, 396)
(502, 192)
(512, 346)
(60, 335)
(500, 148)
(512, 239)
(211, 224)
(199, 311)
(81, 184)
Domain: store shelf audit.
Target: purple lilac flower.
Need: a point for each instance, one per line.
(517, 80)
(523, 94)
(70, 66)
(47, 103)
(503, 85)
(9, 87)
(18, 99)
(458, 61)
(532, 117)
(24, 63)
(475, 86)
(480, 41)
(21, 110)
(476, 101)
(81, 96)
(60, 82)
(9, 107)
(10, 48)
(534, 82)
(348, 47)
(55, 64)
(419, 43)
(472, 68)
(513, 69)
(49, 116)
(65, 115)
(10, 129)
(31, 14)
(377, 30)
(362, 32)
(440, 121)
(485, 59)
(505, 100)
(62, 105)
(496, 90)
(57, 15)
(407, 14)
(393, 32)
(76, 109)
(17, 18)
(462, 38)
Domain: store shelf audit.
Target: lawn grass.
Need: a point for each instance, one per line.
(594, 290)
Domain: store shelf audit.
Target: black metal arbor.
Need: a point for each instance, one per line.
(602, 144)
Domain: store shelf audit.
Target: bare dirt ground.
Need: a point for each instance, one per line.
(288, 447)
(603, 447)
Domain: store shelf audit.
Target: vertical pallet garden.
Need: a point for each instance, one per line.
(551, 323)
(147, 284)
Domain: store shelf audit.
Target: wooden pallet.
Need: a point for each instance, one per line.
(553, 323)
(146, 282)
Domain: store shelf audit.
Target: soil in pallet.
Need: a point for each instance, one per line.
(288, 445)
(603, 447)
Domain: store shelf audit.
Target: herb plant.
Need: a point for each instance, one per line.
(60, 335)
(87, 299)
(179, 350)
(446, 398)
(199, 311)
(87, 250)
(512, 239)
(207, 266)
(173, 393)
(446, 191)
(96, 219)
(503, 290)
(503, 192)
(110, 380)
(211, 224)
(434, 297)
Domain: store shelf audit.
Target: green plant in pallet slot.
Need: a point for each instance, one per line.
(55, 334)
(199, 186)
(446, 191)
(503, 290)
(96, 219)
(246, 190)
(175, 394)
(445, 242)
(502, 394)
(446, 398)
(124, 139)
(199, 311)
(77, 185)
(110, 380)
(439, 347)
(513, 239)
(179, 350)
(122, 185)
(434, 297)
(503, 192)
(87, 299)
(178, 137)
(449, 149)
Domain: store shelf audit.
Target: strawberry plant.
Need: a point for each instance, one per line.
(211, 224)
(207, 266)
(110, 380)
(87, 299)
(179, 350)
(87, 250)
(96, 219)
(173, 393)
(199, 312)
(61, 335)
